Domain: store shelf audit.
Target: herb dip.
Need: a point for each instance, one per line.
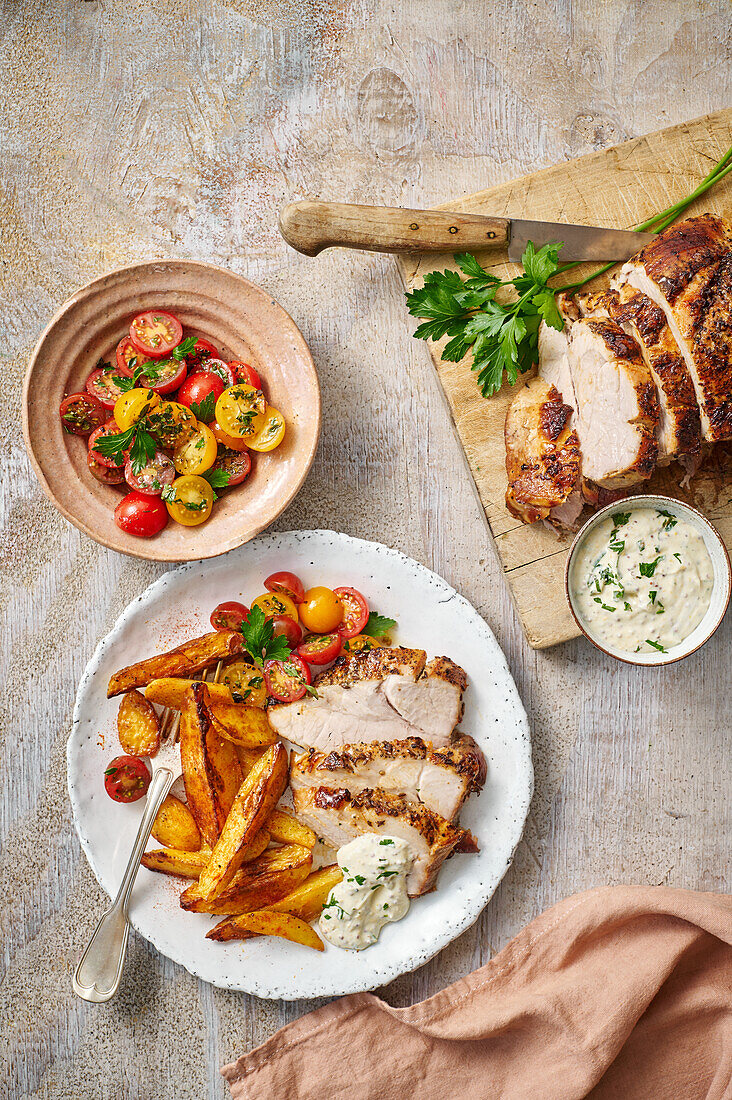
(642, 580)
(372, 893)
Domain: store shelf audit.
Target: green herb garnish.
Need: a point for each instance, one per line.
(185, 347)
(378, 625)
(648, 568)
(206, 409)
(619, 518)
(260, 640)
(656, 645)
(669, 521)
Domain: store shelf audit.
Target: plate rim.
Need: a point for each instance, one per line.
(386, 973)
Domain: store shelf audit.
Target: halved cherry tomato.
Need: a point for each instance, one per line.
(202, 352)
(133, 406)
(229, 441)
(171, 423)
(292, 631)
(101, 384)
(110, 428)
(126, 778)
(287, 680)
(197, 388)
(244, 373)
(229, 615)
(320, 649)
(235, 464)
(360, 643)
(155, 333)
(127, 356)
(221, 370)
(153, 477)
(269, 430)
(164, 376)
(196, 454)
(355, 612)
(237, 408)
(276, 603)
(108, 475)
(141, 515)
(189, 500)
(245, 682)
(287, 583)
(81, 413)
(320, 611)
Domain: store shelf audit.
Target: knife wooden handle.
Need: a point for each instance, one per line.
(311, 226)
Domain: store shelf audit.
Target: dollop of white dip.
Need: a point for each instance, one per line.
(372, 893)
(642, 580)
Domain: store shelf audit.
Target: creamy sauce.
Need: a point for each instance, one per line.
(642, 580)
(372, 893)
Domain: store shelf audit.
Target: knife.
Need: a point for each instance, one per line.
(311, 226)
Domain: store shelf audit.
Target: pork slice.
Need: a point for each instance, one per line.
(433, 703)
(440, 779)
(338, 818)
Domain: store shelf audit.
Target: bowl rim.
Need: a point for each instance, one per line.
(147, 550)
(644, 500)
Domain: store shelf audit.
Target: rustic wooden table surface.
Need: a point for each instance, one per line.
(136, 130)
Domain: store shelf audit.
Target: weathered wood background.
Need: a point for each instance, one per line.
(133, 130)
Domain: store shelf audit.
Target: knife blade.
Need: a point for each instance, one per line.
(311, 226)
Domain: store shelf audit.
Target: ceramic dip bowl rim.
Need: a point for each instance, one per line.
(721, 591)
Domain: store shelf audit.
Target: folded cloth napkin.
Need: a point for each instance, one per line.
(620, 993)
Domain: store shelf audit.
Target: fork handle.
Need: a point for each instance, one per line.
(97, 975)
(311, 226)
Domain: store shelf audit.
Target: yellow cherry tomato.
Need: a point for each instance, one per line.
(171, 424)
(196, 454)
(362, 642)
(132, 406)
(237, 409)
(321, 611)
(276, 603)
(189, 500)
(270, 430)
(246, 681)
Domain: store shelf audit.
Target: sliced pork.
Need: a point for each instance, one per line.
(687, 272)
(440, 779)
(376, 695)
(338, 817)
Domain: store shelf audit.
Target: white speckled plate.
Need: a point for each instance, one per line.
(431, 615)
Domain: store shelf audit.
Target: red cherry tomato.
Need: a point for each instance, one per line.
(229, 615)
(229, 441)
(235, 464)
(196, 389)
(126, 778)
(153, 477)
(108, 475)
(101, 384)
(141, 515)
(202, 352)
(155, 333)
(287, 680)
(81, 413)
(292, 631)
(320, 649)
(221, 370)
(244, 373)
(127, 356)
(288, 584)
(355, 612)
(110, 428)
(165, 376)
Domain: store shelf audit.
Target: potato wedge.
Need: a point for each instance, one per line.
(307, 900)
(138, 727)
(266, 923)
(257, 797)
(286, 829)
(247, 758)
(211, 770)
(235, 899)
(245, 681)
(247, 726)
(186, 659)
(170, 691)
(171, 862)
(175, 826)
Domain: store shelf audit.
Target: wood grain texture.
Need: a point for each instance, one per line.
(618, 187)
(180, 129)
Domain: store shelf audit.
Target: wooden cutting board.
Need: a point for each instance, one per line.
(618, 187)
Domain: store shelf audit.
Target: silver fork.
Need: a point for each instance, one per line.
(99, 970)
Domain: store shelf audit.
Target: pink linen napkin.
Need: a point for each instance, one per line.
(620, 993)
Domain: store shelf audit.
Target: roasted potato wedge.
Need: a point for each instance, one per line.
(248, 726)
(247, 758)
(175, 826)
(171, 692)
(171, 862)
(286, 829)
(268, 887)
(211, 770)
(307, 900)
(245, 681)
(258, 795)
(267, 923)
(185, 660)
(138, 727)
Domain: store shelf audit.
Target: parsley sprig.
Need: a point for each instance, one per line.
(136, 440)
(262, 644)
(378, 626)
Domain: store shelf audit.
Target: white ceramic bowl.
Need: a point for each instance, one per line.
(720, 592)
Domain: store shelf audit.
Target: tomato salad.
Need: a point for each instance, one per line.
(172, 421)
